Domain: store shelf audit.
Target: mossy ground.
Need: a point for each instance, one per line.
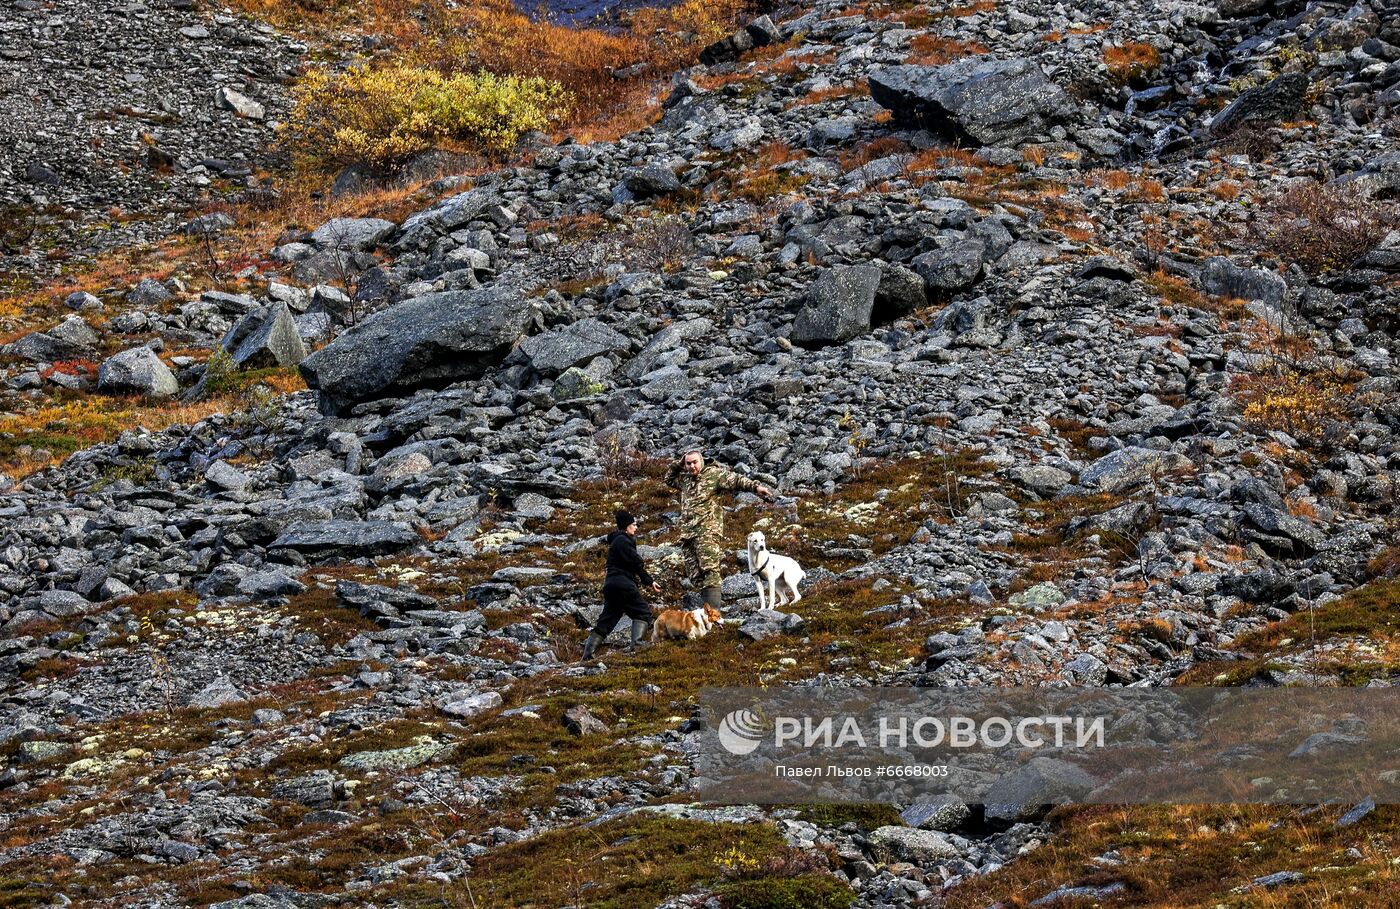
(1192, 855)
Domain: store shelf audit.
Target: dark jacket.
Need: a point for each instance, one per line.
(624, 565)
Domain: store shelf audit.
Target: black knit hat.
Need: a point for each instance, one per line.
(624, 519)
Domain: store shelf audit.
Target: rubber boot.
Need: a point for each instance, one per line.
(639, 627)
(711, 597)
(590, 644)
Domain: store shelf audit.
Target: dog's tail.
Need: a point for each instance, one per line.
(655, 631)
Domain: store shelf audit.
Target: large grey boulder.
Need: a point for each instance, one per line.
(838, 306)
(954, 267)
(268, 337)
(1023, 794)
(982, 99)
(44, 347)
(433, 339)
(148, 292)
(900, 293)
(940, 812)
(651, 180)
(137, 371)
(1380, 176)
(219, 693)
(1268, 103)
(327, 540)
(1222, 278)
(75, 330)
(352, 233)
(1127, 467)
(554, 351)
(914, 845)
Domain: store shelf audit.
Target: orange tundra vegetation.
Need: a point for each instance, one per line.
(593, 64)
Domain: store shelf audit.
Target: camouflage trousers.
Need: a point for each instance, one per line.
(703, 556)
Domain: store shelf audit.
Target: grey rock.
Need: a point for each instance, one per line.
(651, 180)
(1041, 596)
(267, 584)
(326, 540)
(148, 292)
(177, 851)
(219, 693)
(554, 351)
(981, 99)
(1379, 177)
(1222, 278)
(901, 292)
(913, 845)
(226, 98)
(1280, 98)
(43, 347)
(352, 233)
(1077, 895)
(137, 371)
(264, 339)
(767, 623)
(397, 759)
(1041, 479)
(1128, 467)
(431, 339)
(1357, 813)
(38, 750)
(951, 268)
(464, 706)
(941, 812)
(838, 307)
(759, 33)
(575, 384)
(1023, 793)
(222, 475)
(59, 603)
(1087, 670)
(580, 721)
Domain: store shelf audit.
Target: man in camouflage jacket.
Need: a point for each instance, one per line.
(702, 516)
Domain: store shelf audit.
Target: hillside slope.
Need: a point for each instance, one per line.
(1067, 335)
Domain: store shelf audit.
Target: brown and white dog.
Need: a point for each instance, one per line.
(686, 623)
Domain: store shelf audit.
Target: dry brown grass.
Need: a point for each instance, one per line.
(935, 50)
(1131, 61)
(873, 150)
(1195, 855)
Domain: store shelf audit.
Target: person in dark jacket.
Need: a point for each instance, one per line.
(622, 594)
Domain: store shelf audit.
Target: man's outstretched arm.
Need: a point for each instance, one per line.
(734, 482)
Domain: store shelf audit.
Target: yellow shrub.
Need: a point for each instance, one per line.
(1313, 407)
(383, 117)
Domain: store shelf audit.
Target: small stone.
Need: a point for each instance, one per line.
(580, 721)
(219, 693)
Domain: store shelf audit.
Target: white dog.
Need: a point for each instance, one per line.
(775, 570)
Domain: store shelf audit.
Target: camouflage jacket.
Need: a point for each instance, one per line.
(702, 514)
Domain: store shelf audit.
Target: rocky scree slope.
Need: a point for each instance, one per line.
(122, 117)
(1005, 379)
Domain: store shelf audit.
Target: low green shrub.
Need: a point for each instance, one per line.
(809, 891)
